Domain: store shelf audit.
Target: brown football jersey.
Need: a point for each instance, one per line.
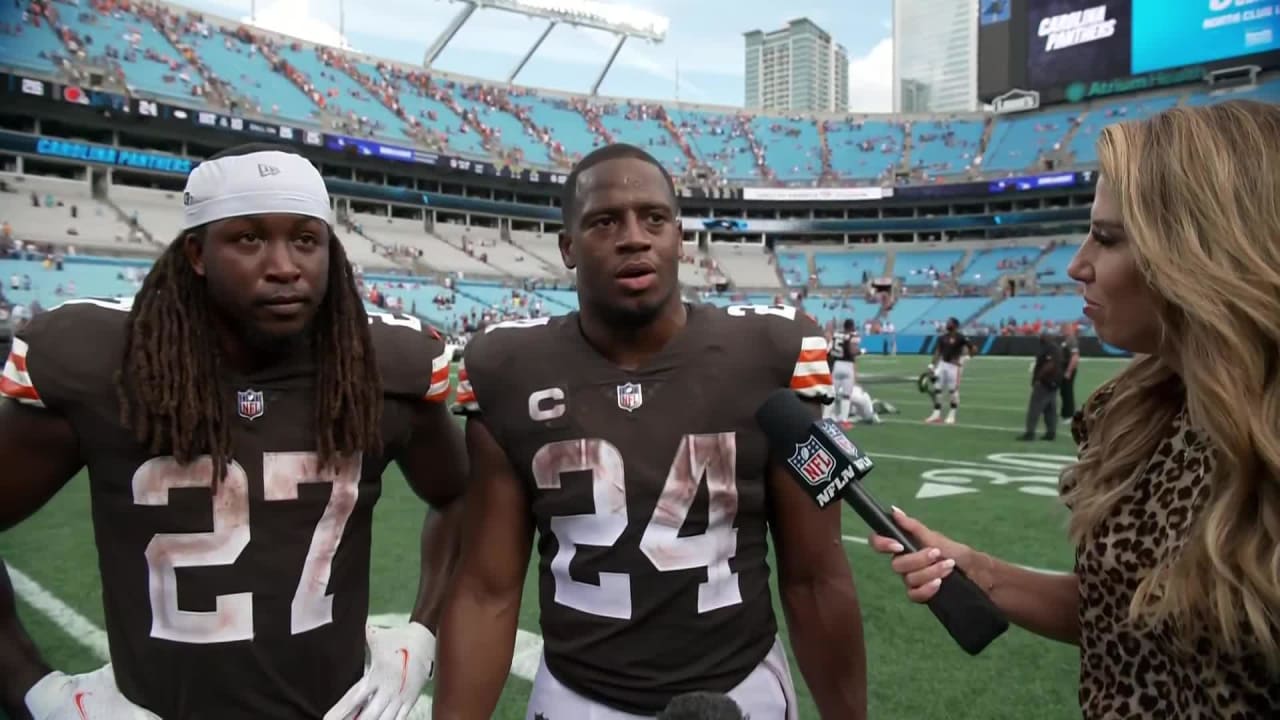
(249, 601)
(952, 347)
(648, 491)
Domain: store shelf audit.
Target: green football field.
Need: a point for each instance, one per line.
(973, 480)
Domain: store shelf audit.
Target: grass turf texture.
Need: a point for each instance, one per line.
(973, 481)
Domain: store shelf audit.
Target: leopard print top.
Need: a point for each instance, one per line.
(1127, 672)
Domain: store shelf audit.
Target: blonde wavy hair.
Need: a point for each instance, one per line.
(1199, 195)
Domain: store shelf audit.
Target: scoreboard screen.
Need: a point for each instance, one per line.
(1075, 50)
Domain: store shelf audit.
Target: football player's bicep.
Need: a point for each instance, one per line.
(39, 453)
(497, 525)
(434, 461)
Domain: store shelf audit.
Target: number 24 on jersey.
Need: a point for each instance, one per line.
(710, 456)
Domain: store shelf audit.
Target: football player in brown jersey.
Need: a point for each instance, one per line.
(623, 436)
(235, 419)
(949, 356)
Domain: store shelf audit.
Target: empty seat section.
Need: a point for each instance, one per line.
(32, 45)
(1031, 308)
(244, 67)
(49, 220)
(558, 117)
(839, 269)
(946, 147)
(988, 265)
(640, 126)
(510, 131)
(719, 142)
(793, 149)
(1016, 142)
(864, 149)
(794, 267)
(748, 266)
(150, 63)
(921, 267)
(343, 95)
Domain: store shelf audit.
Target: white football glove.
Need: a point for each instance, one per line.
(401, 661)
(92, 696)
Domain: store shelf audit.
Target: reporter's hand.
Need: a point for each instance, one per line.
(92, 696)
(922, 571)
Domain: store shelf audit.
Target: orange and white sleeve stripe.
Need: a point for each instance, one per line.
(466, 400)
(439, 390)
(812, 378)
(15, 382)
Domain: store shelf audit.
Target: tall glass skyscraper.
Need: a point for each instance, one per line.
(798, 68)
(935, 55)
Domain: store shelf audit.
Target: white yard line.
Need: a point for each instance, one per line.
(75, 625)
(937, 461)
(969, 426)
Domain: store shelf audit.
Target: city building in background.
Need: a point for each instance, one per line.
(798, 68)
(935, 55)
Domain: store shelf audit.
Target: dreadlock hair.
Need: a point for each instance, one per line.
(169, 384)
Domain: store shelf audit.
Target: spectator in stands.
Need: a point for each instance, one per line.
(1175, 498)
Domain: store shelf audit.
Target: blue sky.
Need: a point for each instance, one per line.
(704, 42)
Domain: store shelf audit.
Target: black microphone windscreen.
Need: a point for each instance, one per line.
(702, 706)
(785, 418)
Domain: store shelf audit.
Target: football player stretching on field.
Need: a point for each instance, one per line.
(624, 435)
(235, 419)
(949, 355)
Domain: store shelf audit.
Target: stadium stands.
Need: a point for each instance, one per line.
(924, 267)
(165, 51)
(465, 273)
(843, 269)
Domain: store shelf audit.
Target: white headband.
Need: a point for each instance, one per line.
(253, 184)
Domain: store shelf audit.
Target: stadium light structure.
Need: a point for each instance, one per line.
(620, 20)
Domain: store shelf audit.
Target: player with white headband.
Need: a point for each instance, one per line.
(235, 419)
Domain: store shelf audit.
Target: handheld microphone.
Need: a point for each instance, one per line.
(826, 463)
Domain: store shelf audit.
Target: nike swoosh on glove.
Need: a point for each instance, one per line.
(92, 696)
(401, 661)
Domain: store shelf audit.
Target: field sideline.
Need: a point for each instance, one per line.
(971, 480)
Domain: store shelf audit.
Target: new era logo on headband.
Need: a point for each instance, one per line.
(267, 170)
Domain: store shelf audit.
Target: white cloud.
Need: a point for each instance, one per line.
(871, 79)
(296, 19)
(507, 34)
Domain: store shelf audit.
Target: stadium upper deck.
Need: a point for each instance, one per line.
(172, 53)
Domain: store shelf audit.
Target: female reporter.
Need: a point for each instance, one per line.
(1175, 497)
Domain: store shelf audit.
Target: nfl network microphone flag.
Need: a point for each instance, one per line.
(826, 463)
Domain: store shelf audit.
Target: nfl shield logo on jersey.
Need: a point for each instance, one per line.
(630, 397)
(812, 461)
(250, 404)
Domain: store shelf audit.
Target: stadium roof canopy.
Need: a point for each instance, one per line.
(621, 20)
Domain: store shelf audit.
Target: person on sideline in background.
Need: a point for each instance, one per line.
(949, 353)
(1071, 356)
(1046, 373)
(1175, 499)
